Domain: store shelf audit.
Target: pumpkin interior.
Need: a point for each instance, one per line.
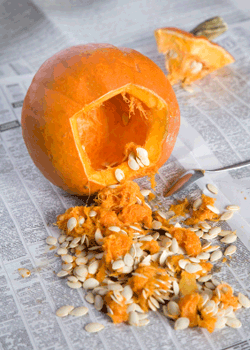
(129, 116)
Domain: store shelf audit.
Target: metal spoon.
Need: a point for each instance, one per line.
(191, 176)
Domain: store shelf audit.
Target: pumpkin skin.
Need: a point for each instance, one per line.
(81, 80)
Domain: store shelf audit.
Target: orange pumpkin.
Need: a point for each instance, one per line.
(90, 105)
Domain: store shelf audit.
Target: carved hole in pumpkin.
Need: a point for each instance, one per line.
(114, 124)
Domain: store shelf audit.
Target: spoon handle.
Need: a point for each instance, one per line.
(230, 167)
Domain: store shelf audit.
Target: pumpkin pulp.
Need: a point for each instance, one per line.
(118, 122)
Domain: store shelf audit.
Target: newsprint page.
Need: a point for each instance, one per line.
(215, 132)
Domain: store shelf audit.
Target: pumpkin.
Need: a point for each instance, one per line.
(89, 107)
(189, 57)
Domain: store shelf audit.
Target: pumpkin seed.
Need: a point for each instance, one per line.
(216, 255)
(244, 301)
(64, 310)
(92, 213)
(62, 273)
(90, 283)
(215, 281)
(205, 226)
(81, 261)
(67, 267)
(182, 263)
(98, 302)
(213, 209)
(133, 319)
(195, 260)
(196, 67)
(154, 302)
(229, 238)
(204, 278)
(24, 272)
(127, 292)
(98, 236)
(211, 188)
(71, 224)
(161, 214)
(50, 240)
(118, 264)
(151, 306)
(62, 239)
(93, 267)
(141, 152)
(115, 286)
(227, 215)
(173, 308)
(220, 322)
(67, 258)
(132, 163)
(181, 323)
(212, 248)
(72, 279)
(225, 233)
(128, 260)
(215, 230)
(193, 268)
(73, 285)
(114, 228)
(233, 207)
(197, 203)
(81, 220)
(233, 322)
(176, 288)
(174, 246)
(210, 285)
(81, 271)
(119, 175)
(145, 192)
(230, 250)
(79, 311)
(203, 256)
(199, 233)
(94, 327)
(90, 298)
(127, 269)
(156, 225)
(143, 323)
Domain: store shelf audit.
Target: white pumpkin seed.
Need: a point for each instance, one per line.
(67, 258)
(176, 288)
(115, 286)
(197, 203)
(145, 192)
(233, 322)
(81, 261)
(141, 153)
(132, 163)
(211, 188)
(98, 302)
(62, 239)
(233, 207)
(216, 255)
(94, 327)
(128, 260)
(79, 311)
(215, 282)
(215, 230)
(181, 323)
(230, 250)
(67, 267)
(139, 201)
(156, 225)
(193, 268)
(118, 264)
(90, 283)
(203, 256)
(213, 209)
(73, 285)
(98, 236)
(71, 224)
(229, 238)
(210, 285)
(92, 213)
(72, 279)
(90, 298)
(205, 226)
(209, 307)
(151, 306)
(199, 233)
(220, 322)
(127, 269)
(173, 308)
(133, 318)
(114, 228)
(62, 273)
(127, 292)
(174, 246)
(224, 233)
(119, 175)
(62, 251)
(50, 240)
(227, 215)
(81, 220)
(204, 278)
(195, 260)
(244, 301)
(64, 310)
(212, 248)
(81, 271)
(24, 272)
(182, 263)
(93, 267)
(161, 214)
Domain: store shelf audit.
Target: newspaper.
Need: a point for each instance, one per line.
(215, 132)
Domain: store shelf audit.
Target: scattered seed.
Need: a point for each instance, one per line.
(81, 261)
(229, 238)
(230, 250)
(51, 240)
(181, 323)
(203, 256)
(98, 302)
(145, 192)
(24, 272)
(71, 224)
(213, 209)
(205, 226)
(62, 238)
(210, 285)
(67, 258)
(195, 260)
(94, 327)
(211, 188)
(197, 203)
(67, 267)
(133, 318)
(81, 271)
(199, 233)
(62, 273)
(119, 175)
(93, 267)
(244, 301)
(227, 215)
(225, 233)
(204, 278)
(73, 285)
(220, 322)
(151, 306)
(118, 264)
(90, 298)
(79, 311)
(233, 322)
(127, 292)
(90, 283)
(176, 288)
(216, 255)
(72, 279)
(128, 260)
(193, 268)
(174, 246)
(215, 281)
(233, 207)
(92, 213)
(64, 310)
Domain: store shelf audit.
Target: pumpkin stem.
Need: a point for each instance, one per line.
(211, 28)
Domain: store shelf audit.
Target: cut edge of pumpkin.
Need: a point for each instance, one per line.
(156, 134)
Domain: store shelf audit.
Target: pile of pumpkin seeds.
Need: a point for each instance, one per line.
(87, 260)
